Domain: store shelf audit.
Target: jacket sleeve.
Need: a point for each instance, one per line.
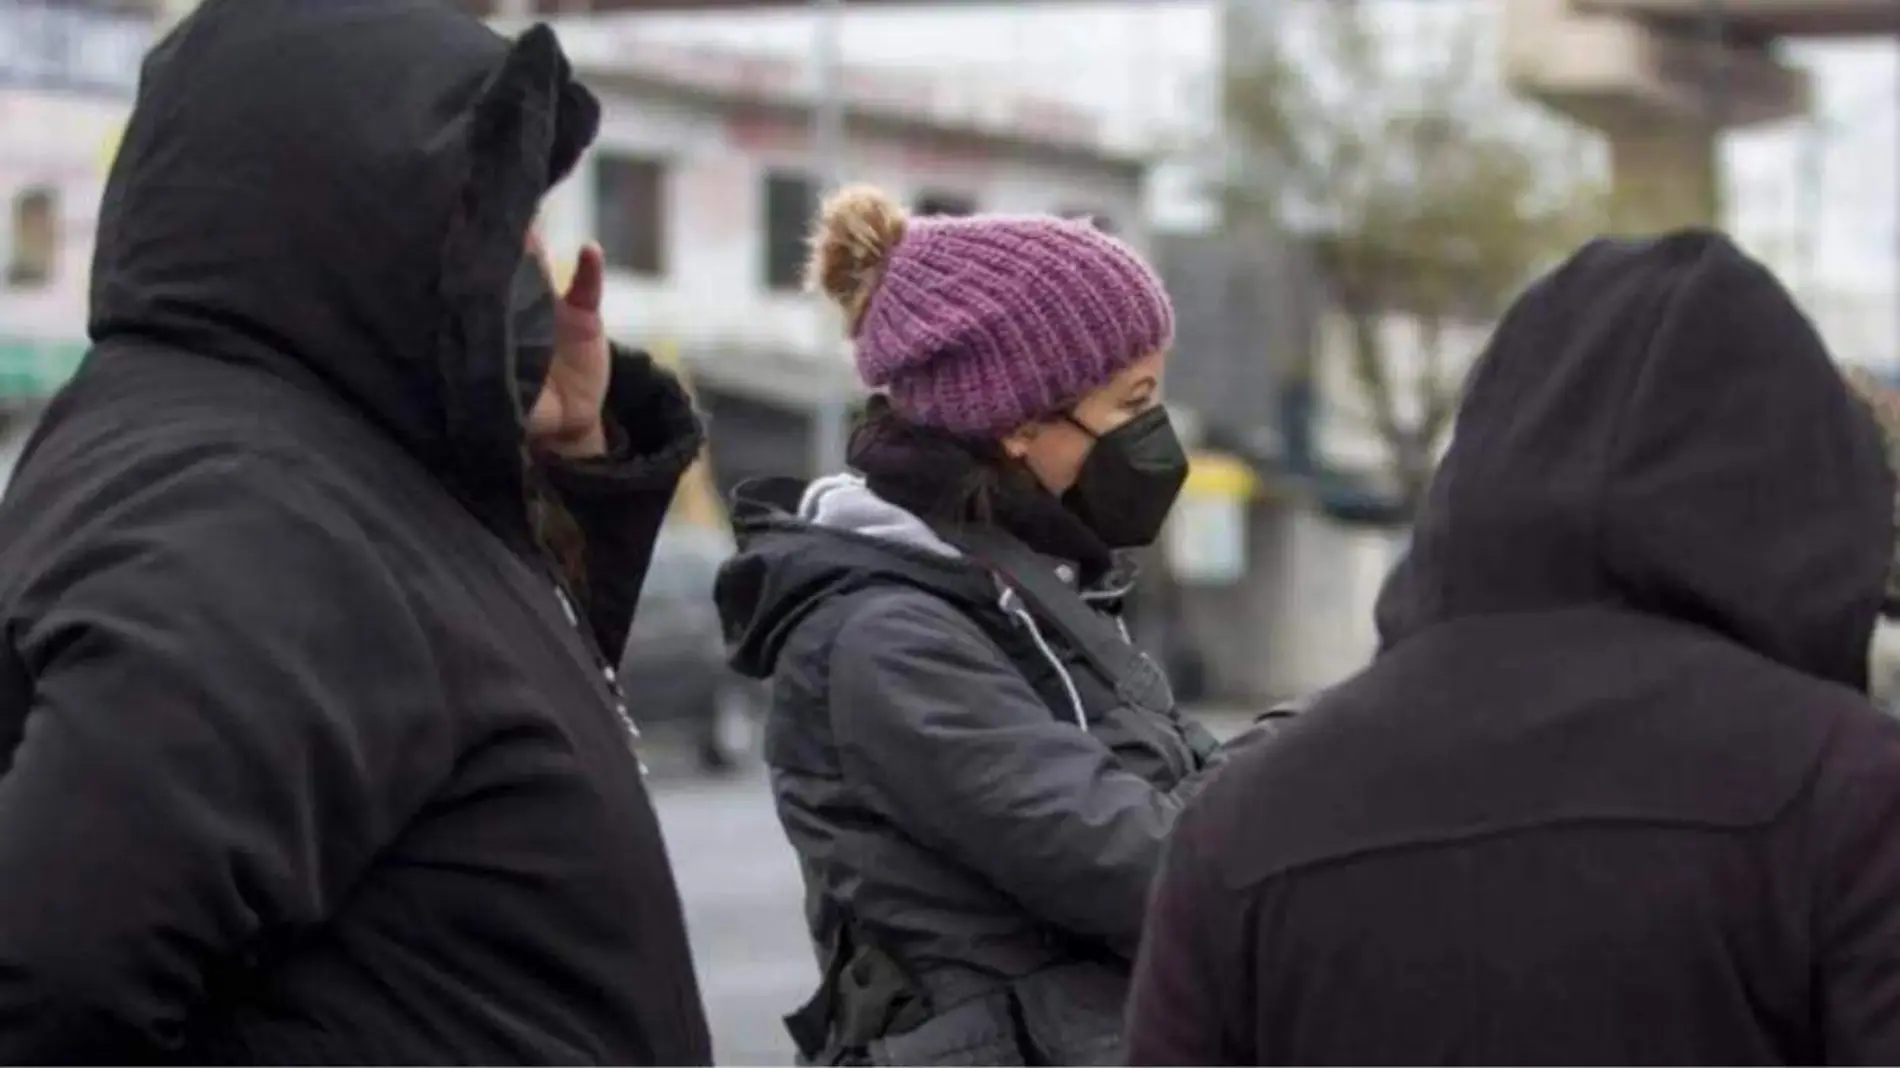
(620, 500)
(958, 750)
(220, 706)
(1186, 1004)
(1857, 818)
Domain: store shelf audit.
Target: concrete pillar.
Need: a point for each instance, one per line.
(171, 12)
(1665, 175)
(1657, 88)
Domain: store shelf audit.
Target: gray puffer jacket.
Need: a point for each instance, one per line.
(978, 816)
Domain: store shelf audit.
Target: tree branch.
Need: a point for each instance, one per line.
(1426, 196)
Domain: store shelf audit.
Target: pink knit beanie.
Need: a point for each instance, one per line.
(981, 324)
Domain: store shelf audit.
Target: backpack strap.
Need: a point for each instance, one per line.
(1133, 675)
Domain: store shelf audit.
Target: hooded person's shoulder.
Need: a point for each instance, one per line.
(220, 507)
(142, 420)
(1518, 725)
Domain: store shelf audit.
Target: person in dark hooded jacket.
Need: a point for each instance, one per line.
(310, 750)
(1612, 791)
(976, 768)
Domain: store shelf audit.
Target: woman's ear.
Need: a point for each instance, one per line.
(1016, 443)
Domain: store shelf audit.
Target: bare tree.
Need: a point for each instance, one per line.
(1426, 194)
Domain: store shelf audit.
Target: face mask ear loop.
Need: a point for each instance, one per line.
(1069, 418)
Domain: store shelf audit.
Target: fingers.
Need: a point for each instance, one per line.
(584, 291)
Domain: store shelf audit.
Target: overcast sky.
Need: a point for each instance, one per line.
(1142, 62)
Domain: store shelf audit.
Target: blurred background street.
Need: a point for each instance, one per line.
(743, 904)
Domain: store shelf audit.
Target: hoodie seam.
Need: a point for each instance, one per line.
(512, 136)
(1603, 537)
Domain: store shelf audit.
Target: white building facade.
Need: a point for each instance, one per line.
(67, 75)
(702, 189)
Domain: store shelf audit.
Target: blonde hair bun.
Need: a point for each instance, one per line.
(857, 228)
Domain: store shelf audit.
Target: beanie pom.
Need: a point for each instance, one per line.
(857, 228)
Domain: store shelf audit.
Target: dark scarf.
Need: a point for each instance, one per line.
(948, 482)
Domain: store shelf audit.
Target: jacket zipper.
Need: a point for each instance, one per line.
(607, 673)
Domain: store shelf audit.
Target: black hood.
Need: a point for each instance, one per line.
(338, 191)
(1656, 426)
(787, 567)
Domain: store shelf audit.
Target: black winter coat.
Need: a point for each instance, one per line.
(1611, 793)
(305, 757)
(967, 798)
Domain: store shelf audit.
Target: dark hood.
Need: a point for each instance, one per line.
(1657, 426)
(338, 191)
(801, 546)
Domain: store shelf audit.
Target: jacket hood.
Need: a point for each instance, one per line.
(846, 502)
(1656, 426)
(339, 192)
(800, 546)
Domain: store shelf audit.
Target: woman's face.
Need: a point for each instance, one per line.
(1054, 449)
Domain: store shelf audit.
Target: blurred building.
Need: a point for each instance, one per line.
(702, 190)
(1823, 214)
(1664, 80)
(1277, 568)
(67, 73)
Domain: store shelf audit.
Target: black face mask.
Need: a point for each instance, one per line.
(531, 327)
(1130, 480)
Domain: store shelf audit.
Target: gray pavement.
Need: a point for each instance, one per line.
(744, 908)
(744, 902)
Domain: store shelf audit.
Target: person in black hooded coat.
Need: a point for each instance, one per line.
(310, 750)
(1612, 791)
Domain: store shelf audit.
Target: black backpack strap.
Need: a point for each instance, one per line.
(1133, 675)
(1200, 740)
(864, 992)
(810, 1026)
(863, 995)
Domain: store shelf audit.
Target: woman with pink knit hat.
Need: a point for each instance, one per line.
(977, 769)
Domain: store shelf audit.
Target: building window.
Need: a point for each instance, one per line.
(35, 229)
(945, 204)
(630, 213)
(1101, 220)
(791, 201)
